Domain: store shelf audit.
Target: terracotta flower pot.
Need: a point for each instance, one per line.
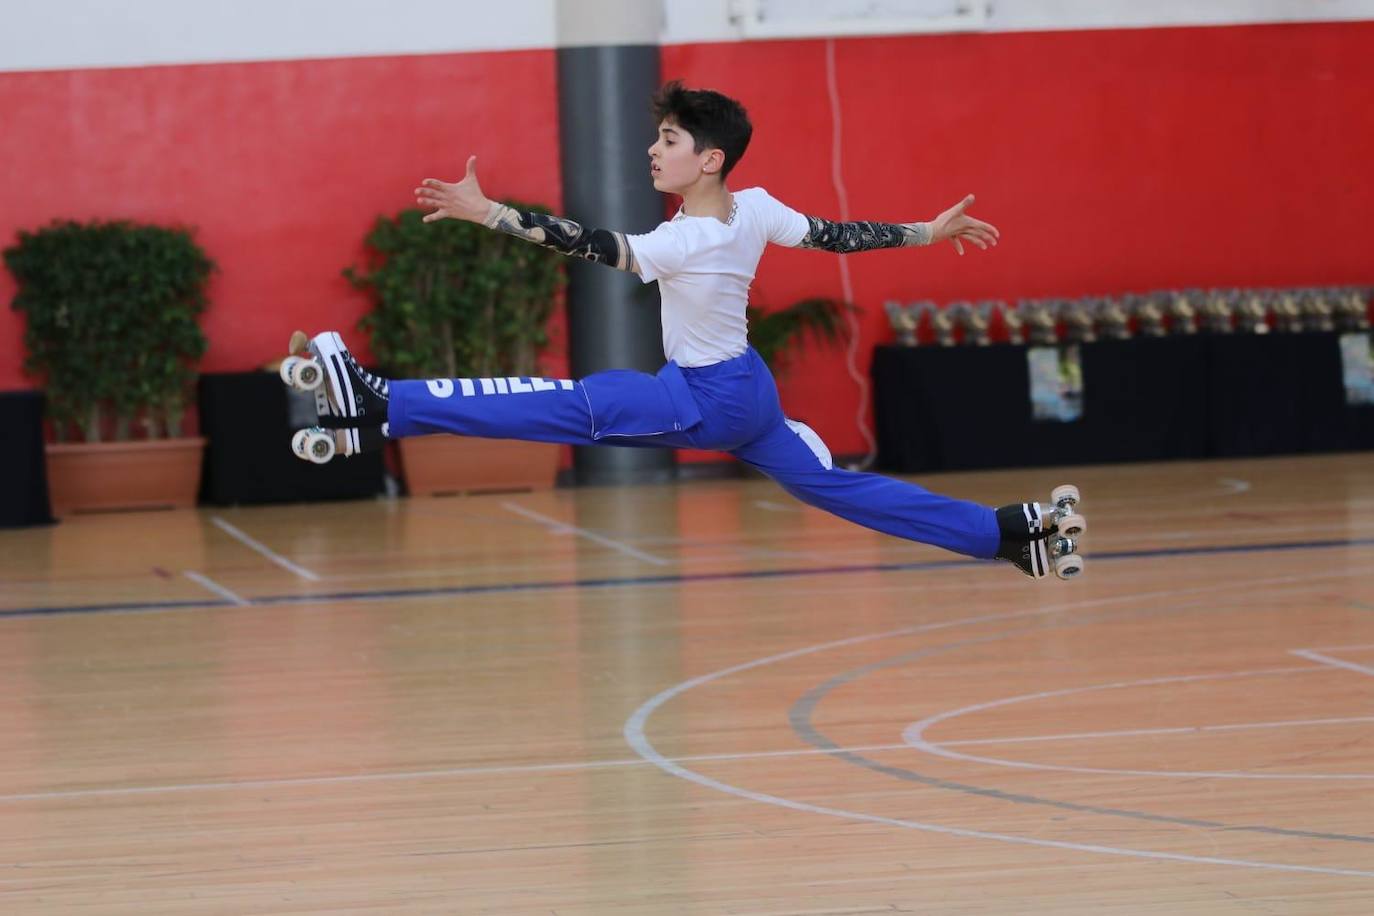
(439, 465)
(101, 476)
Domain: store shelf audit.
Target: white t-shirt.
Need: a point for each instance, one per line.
(704, 267)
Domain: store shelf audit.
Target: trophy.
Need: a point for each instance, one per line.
(1182, 315)
(1252, 310)
(975, 326)
(1287, 311)
(1077, 317)
(1352, 309)
(904, 322)
(1216, 313)
(1149, 317)
(1112, 320)
(989, 309)
(941, 322)
(1016, 325)
(1317, 311)
(1039, 322)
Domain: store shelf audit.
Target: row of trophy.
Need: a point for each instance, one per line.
(1046, 322)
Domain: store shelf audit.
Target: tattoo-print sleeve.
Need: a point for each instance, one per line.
(844, 238)
(599, 246)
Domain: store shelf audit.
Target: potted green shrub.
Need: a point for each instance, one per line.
(111, 329)
(452, 299)
(773, 333)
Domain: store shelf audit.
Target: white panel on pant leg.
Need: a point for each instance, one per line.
(440, 387)
(468, 388)
(813, 442)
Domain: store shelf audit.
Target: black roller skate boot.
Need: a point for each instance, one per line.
(350, 402)
(1040, 538)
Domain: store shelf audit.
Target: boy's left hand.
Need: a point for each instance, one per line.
(958, 227)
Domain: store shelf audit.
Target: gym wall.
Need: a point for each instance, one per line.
(1169, 151)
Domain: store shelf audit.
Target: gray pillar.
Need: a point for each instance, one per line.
(606, 130)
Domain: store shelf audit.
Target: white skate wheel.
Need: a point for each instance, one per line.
(1068, 493)
(313, 445)
(1073, 526)
(301, 373)
(1069, 566)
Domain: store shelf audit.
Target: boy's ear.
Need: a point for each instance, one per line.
(715, 161)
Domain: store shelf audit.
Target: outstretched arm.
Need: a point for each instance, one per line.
(464, 200)
(953, 225)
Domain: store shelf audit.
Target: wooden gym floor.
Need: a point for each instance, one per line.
(696, 699)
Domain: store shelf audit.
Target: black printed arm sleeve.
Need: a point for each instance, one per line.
(600, 246)
(845, 238)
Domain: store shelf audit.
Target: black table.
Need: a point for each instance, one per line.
(248, 458)
(23, 471)
(1146, 399)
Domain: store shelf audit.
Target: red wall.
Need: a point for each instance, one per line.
(1111, 161)
(282, 168)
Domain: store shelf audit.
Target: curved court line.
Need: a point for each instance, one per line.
(635, 737)
(914, 735)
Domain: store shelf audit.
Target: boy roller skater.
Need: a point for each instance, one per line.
(715, 391)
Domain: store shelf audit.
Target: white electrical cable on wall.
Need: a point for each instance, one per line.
(846, 284)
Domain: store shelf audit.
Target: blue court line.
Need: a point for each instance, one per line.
(498, 588)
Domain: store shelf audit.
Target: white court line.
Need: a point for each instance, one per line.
(914, 734)
(263, 549)
(635, 725)
(563, 528)
(407, 775)
(1233, 485)
(1334, 662)
(1187, 730)
(771, 506)
(210, 585)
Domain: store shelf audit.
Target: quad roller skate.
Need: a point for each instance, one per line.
(350, 403)
(1040, 538)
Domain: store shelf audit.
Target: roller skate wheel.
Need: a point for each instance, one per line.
(313, 445)
(301, 373)
(1068, 567)
(1073, 525)
(1067, 495)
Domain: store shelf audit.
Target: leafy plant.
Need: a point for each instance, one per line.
(111, 313)
(772, 333)
(454, 299)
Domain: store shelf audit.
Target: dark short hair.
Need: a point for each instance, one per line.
(715, 121)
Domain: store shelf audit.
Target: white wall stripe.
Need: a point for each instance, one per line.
(138, 33)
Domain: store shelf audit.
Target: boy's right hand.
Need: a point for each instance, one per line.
(461, 200)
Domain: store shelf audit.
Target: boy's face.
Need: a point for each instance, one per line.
(674, 163)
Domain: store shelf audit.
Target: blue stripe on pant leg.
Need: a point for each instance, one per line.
(800, 463)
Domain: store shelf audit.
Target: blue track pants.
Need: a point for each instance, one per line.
(731, 407)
